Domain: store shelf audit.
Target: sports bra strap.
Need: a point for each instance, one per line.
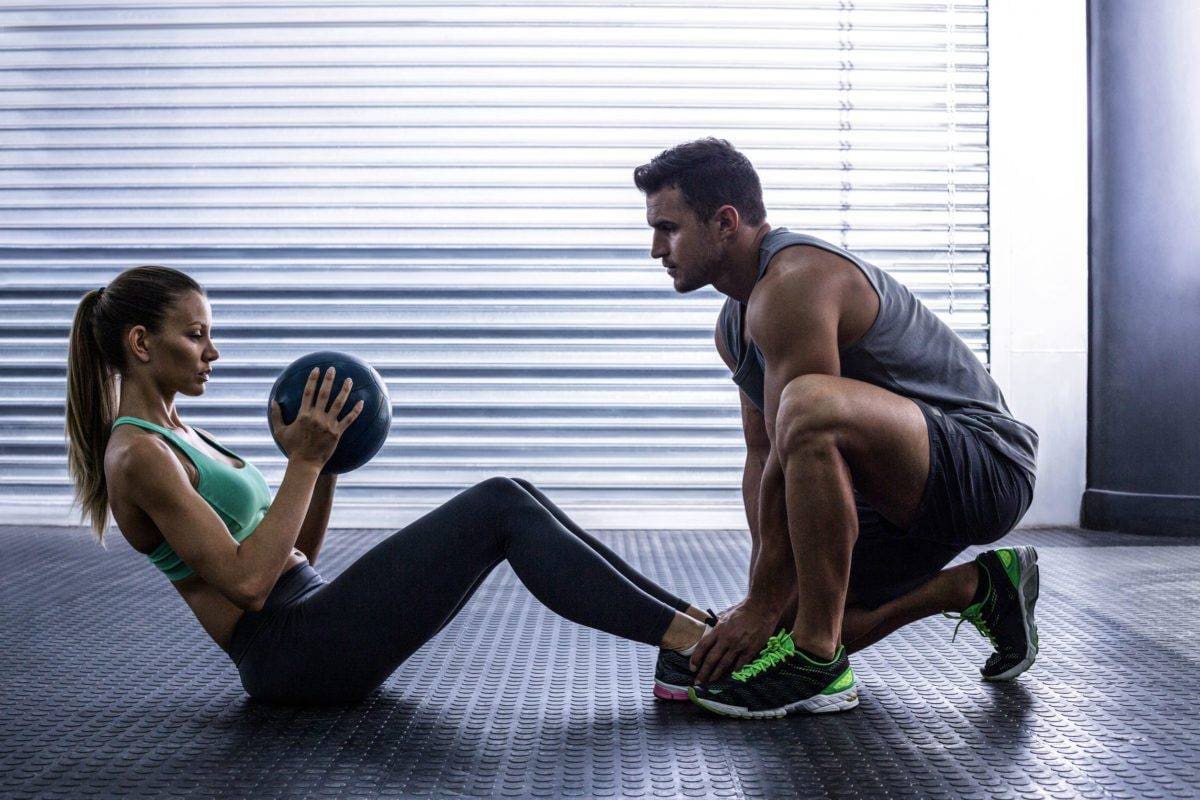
(187, 447)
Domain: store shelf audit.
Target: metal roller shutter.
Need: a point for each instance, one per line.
(445, 190)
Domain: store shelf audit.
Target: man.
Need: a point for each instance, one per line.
(878, 448)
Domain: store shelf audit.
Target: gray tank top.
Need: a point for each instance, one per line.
(907, 350)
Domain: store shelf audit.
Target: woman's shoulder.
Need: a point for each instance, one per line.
(134, 453)
(129, 445)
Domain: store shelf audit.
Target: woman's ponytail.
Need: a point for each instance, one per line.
(91, 406)
(96, 356)
(95, 360)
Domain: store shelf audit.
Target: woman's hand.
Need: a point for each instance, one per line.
(313, 436)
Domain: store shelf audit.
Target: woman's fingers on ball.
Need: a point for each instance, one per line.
(343, 395)
(348, 420)
(324, 402)
(326, 387)
(310, 388)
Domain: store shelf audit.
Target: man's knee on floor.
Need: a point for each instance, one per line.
(810, 417)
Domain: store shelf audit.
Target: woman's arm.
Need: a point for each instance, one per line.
(312, 531)
(151, 477)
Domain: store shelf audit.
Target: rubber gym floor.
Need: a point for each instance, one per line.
(109, 688)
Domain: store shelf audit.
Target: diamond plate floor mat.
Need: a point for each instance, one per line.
(108, 688)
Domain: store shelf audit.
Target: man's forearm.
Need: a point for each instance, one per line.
(773, 578)
(773, 570)
(752, 474)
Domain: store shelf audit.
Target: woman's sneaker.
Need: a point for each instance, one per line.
(1006, 613)
(673, 674)
(782, 680)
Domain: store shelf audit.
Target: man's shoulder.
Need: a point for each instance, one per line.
(796, 277)
(805, 261)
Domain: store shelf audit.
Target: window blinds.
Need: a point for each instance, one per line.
(445, 190)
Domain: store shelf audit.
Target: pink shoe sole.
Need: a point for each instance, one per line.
(663, 693)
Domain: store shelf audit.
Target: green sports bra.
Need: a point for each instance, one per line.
(240, 496)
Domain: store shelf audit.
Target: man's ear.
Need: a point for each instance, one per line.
(728, 221)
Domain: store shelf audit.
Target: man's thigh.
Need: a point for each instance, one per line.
(883, 437)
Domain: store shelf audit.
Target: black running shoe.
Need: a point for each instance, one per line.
(1005, 615)
(672, 674)
(780, 681)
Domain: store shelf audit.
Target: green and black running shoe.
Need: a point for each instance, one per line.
(1005, 614)
(780, 681)
(673, 673)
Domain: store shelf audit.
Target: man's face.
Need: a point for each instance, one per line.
(690, 249)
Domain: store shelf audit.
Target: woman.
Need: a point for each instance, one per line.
(243, 562)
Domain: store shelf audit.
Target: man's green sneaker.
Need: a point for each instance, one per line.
(1005, 614)
(780, 681)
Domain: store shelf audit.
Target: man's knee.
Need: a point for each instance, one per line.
(811, 416)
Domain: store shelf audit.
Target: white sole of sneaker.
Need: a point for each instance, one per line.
(1027, 595)
(820, 704)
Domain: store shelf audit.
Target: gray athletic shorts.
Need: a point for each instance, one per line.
(973, 495)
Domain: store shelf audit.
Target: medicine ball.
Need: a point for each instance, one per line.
(363, 439)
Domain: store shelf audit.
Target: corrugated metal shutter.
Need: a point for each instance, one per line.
(445, 190)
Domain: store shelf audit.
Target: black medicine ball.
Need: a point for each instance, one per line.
(364, 438)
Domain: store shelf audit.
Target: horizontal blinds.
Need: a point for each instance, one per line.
(445, 190)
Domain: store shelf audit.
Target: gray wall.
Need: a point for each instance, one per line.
(1143, 440)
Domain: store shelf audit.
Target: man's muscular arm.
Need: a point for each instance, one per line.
(773, 573)
(795, 325)
(771, 577)
(758, 447)
(793, 318)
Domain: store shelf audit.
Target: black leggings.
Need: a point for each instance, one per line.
(319, 642)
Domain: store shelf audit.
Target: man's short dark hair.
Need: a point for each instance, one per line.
(709, 173)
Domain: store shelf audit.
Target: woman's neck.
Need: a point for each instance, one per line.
(149, 404)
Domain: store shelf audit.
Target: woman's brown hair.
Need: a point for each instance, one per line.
(95, 360)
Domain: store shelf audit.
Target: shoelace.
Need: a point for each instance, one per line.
(976, 619)
(771, 655)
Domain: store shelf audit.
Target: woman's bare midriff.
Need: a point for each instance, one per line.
(215, 612)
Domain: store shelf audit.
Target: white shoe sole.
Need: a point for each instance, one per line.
(1027, 596)
(819, 704)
